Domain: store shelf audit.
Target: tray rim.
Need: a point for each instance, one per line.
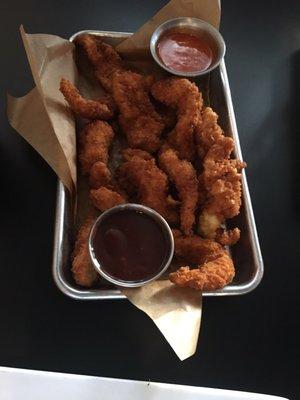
(113, 294)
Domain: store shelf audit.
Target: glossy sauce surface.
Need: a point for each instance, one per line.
(184, 52)
(130, 246)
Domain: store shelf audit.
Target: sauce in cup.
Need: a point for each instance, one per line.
(184, 52)
(188, 47)
(130, 245)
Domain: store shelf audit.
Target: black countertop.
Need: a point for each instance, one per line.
(246, 343)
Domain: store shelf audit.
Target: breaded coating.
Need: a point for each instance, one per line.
(104, 198)
(207, 132)
(149, 184)
(100, 175)
(82, 268)
(103, 57)
(129, 153)
(210, 276)
(228, 238)
(104, 192)
(219, 182)
(138, 119)
(214, 270)
(194, 248)
(183, 175)
(175, 159)
(222, 180)
(184, 96)
(95, 140)
(90, 109)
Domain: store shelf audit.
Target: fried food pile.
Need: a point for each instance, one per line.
(176, 160)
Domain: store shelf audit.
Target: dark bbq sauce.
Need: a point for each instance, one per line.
(130, 246)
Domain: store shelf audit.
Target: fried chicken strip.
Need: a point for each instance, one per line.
(105, 192)
(222, 180)
(194, 248)
(138, 119)
(104, 199)
(183, 175)
(95, 140)
(219, 183)
(82, 268)
(214, 270)
(90, 109)
(143, 179)
(103, 57)
(184, 96)
(211, 275)
(207, 132)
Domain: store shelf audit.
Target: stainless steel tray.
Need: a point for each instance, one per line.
(246, 253)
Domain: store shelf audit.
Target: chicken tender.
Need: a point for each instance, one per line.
(90, 109)
(82, 268)
(183, 175)
(138, 119)
(105, 192)
(184, 96)
(207, 132)
(214, 270)
(95, 140)
(210, 276)
(103, 57)
(194, 248)
(222, 180)
(104, 199)
(149, 184)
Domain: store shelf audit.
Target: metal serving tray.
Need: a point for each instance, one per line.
(246, 253)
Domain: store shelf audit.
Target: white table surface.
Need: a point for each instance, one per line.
(20, 384)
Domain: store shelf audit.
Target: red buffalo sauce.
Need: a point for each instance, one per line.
(184, 52)
(130, 246)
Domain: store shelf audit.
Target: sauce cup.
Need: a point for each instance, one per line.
(125, 232)
(194, 26)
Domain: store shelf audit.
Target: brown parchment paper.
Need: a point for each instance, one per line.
(138, 43)
(41, 116)
(175, 311)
